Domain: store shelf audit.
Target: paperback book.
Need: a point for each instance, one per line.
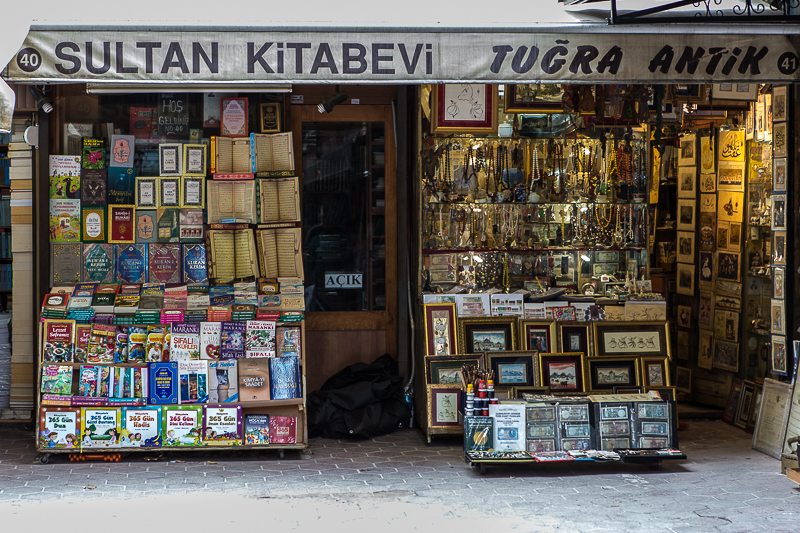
(56, 379)
(141, 427)
(163, 383)
(65, 220)
(83, 334)
(59, 427)
(101, 344)
(223, 425)
(93, 153)
(182, 426)
(101, 427)
(223, 381)
(254, 380)
(284, 378)
(121, 186)
(98, 263)
(184, 341)
(66, 265)
(122, 150)
(65, 177)
(256, 429)
(232, 340)
(94, 187)
(137, 340)
(193, 381)
(282, 429)
(59, 340)
(155, 343)
(164, 263)
(210, 333)
(260, 339)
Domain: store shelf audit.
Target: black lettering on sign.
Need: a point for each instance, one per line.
(61, 54)
(148, 57)
(173, 115)
(106, 58)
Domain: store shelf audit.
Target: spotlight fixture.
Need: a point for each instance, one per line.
(43, 101)
(327, 104)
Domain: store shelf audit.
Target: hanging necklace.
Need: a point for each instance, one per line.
(535, 175)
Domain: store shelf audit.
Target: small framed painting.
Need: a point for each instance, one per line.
(779, 140)
(778, 283)
(686, 246)
(779, 248)
(440, 329)
(563, 372)
(778, 212)
(686, 207)
(538, 335)
(777, 317)
(512, 369)
(704, 349)
(444, 401)
(687, 156)
(733, 402)
(575, 338)
(731, 176)
(685, 279)
(735, 91)
(745, 404)
(446, 369)
(728, 266)
(705, 308)
(632, 338)
(708, 183)
(726, 355)
(146, 193)
(485, 334)
(779, 175)
(779, 103)
(778, 360)
(683, 379)
(687, 181)
(170, 159)
(605, 373)
(730, 206)
(464, 108)
(533, 98)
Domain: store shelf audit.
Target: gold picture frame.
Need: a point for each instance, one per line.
(270, 117)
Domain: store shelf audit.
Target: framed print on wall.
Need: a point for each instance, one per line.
(726, 355)
(686, 208)
(779, 140)
(464, 108)
(146, 192)
(170, 159)
(687, 182)
(683, 379)
(778, 359)
(773, 418)
(686, 246)
(731, 176)
(777, 317)
(705, 357)
(778, 212)
(440, 329)
(685, 279)
(533, 98)
(194, 160)
(730, 206)
(575, 338)
(708, 183)
(539, 335)
(729, 266)
(779, 248)
(444, 402)
(605, 373)
(169, 192)
(707, 158)
(705, 308)
(487, 334)
(446, 369)
(708, 203)
(687, 156)
(779, 175)
(563, 372)
(779, 104)
(193, 192)
(513, 369)
(734, 91)
(632, 338)
(778, 286)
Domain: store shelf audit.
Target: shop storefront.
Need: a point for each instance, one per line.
(427, 176)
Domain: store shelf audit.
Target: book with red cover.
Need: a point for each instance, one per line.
(164, 262)
(282, 429)
(142, 119)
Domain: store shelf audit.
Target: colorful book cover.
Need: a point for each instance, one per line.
(122, 150)
(168, 224)
(164, 263)
(101, 427)
(253, 380)
(191, 225)
(222, 426)
(163, 383)
(121, 227)
(184, 341)
(60, 427)
(193, 381)
(256, 429)
(94, 187)
(93, 153)
(105, 381)
(131, 263)
(210, 333)
(59, 341)
(93, 224)
(56, 379)
(155, 343)
(121, 186)
(140, 383)
(223, 381)
(182, 425)
(83, 334)
(143, 123)
(167, 347)
(98, 263)
(195, 266)
(232, 340)
(289, 341)
(87, 386)
(101, 344)
(65, 220)
(284, 378)
(141, 427)
(260, 339)
(282, 429)
(121, 345)
(137, 340)
(145, 225)
(65, 177)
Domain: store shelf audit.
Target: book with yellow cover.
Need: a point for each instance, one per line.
(231, 255)
(230, 155)
(231, 200)
(279, 199)
(271, 154)
(280, 252)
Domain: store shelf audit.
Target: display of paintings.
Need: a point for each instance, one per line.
(769, 436)
(575, 338)
(444, 402)
(708, 183)
(779, 212)
(686, 246)
(538, 335)
(563, 372)
(685, 275)
(705, 357)
(484, 334)
(726, 325)
(777, 317)
(705, 308)
(779, 174)
(512, 369)
(687, 180)
(605, 373)
(464, 108)
(631, 338)
(730, 206)
(726, 355)
(440, 329)
(533, 98)
(446, 369)
(779, 248)
(728, 266)
(683, 379)
(686, 153)
(779, 140)
(730, 176)
(686, 208)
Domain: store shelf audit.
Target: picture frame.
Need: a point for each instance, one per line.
(731, 147)
(769, 435)
(683, 379)
(705, 308)
(234, 114)
(666, 393)
(687, 151)
(464, 108)
(726, 355)
(521, 393)
(575, 338)
(686, 246)
(745, 404)
(705, 349)
(706, 274)
(194, 160)
(627, 390)
(707, 233)
(707, 156)
(778, 283)
(733, 402)
(170, 157)
(779, 248)
(684, 316)
(563, 372)
(605, 373)
(682, 341)
(687, 182)
(734, 91)
(757, 395)
(735, 237)
(708, 203)
(730, 206)
(779, 211)
(729, 266)
(708, 183)
(731, 176)
(779, 140)
(685, 275)
(777, 317)
(475, 334)
(539, 335)
(779, 360)
(530, 98)
(146, 192)
(270, 117)
(169, 192)
(759, 119)
(779, 174)
(440, 329)
(686, 211)
(121, 226)
(779, 103)
(444, 402)
(723, 230)
(446, 369)
(640, 338)
(193, 192)
(726, 325)
(514, 369)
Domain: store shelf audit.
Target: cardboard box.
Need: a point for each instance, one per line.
(789, 464)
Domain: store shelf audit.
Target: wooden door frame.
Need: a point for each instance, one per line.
(360, 320)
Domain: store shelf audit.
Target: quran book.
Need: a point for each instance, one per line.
(98, 263)
(231, 199)
(231, 255)
(93, 153)
(271, 153)
(195, 267)
(65, 177)
(230, 155)
(67, 263)
(65, 220)
(280, 200)
(131, 263)
(280, 252)
(94, 186)
(164, 263)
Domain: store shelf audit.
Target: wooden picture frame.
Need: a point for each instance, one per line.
(778, 355)
(707, 162)
(523, 98)
(655, 371)
(640, 338)
(687, 151)
(539, 335)
(442, 369)
(270, 117)
(440, 329)
(777, 316)
(121, 228)
(475, 334)
(605, 373)
(195, 161)
(193, 192)
(745, 404)
(444, 403)
(667, 393)
(726, 355)
(514, 369)
(146, 192)
(576, 337)
(563, 372)
(686, 214)
(170, 157)
(769, 436)
(779, 174)
(464, 108)
(234, 115)
(779, 283)
(518, 393)
(169, 192)
(687, 182)
(685, 279)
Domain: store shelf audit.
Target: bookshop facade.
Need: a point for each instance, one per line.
(301, 184)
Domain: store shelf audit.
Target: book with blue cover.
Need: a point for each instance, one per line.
(131, 263)
(163, 383)
(284, 377)
(195, 266)
(98, 263)
(121, 186)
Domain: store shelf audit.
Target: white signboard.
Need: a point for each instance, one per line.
(344, 280)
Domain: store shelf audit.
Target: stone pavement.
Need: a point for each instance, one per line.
(399, 482)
